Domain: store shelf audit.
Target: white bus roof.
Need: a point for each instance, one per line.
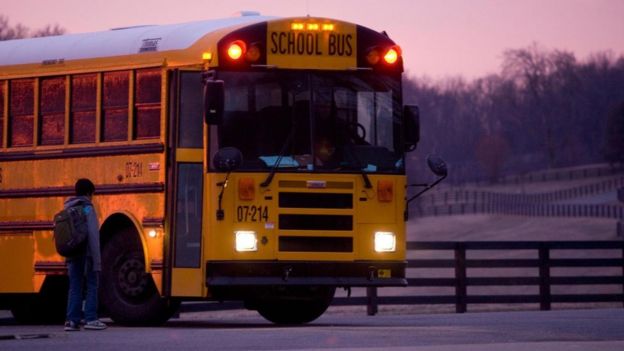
(116, 42)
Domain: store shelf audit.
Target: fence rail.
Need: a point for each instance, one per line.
(461, 264)
(543, 278)
(541, 210)
(478, 196)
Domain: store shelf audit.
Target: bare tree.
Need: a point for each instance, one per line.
(7, 32)
(614, 139)
(49, 30)
(19, 31)
(491, 151)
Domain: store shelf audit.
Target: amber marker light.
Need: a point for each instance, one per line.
(385, 190)
(313, 26)
(236, 50)
(392, 55)
(207, 56)
(253, 53)
(328, 27)
(246, 189)
(373, 57)
(297, 26)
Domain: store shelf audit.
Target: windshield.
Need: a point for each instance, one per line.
(313, 121)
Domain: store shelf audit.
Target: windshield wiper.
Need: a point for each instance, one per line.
(269, 178)
(358, 164)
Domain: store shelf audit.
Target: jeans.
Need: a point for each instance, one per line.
(79, 268)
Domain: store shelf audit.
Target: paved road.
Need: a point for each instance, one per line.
(601, 329)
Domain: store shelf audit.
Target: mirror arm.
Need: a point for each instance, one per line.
(427, 188)
(223, 185)
(423, 185)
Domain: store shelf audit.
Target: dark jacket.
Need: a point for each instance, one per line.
(93, 246)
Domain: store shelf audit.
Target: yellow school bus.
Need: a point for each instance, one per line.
(253, 158)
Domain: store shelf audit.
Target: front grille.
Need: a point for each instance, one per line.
(315, 200)
(315, 222)
(315, 244)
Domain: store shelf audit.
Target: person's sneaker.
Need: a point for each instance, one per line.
(71, 326)
(95, 325)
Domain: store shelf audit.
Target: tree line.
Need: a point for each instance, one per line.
(544, 109)
(20, 31)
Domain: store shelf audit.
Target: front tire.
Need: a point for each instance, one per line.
(296, 305)
(127, 291)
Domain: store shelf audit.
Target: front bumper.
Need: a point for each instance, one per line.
(302, 273)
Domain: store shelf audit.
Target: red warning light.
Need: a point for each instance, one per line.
(392, 55)
(236, 50)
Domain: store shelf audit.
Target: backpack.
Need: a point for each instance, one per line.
(70, 231)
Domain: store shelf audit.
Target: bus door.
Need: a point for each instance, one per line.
(186, 181)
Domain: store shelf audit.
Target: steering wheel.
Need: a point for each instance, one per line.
(357, 131)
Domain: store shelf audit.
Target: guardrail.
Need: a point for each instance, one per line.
(542, 263)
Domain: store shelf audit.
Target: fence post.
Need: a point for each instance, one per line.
(371, 301)
(622, 223)
(460, 278)
(544, 277)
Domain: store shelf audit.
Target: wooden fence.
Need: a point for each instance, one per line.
(453, 202)
(541, 210)
(461, 274)
(542, 264)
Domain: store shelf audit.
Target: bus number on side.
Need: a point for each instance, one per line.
(252, 213)
(134, 169)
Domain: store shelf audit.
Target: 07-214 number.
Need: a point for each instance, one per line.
(252, 213)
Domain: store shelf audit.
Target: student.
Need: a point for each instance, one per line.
(84, 266)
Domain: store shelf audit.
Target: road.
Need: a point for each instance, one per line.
(597, 329)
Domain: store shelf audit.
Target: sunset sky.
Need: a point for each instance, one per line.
(440, 38)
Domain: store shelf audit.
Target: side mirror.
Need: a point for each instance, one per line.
(437, 165)
(227, 159)
(411, 126)
(214, 101)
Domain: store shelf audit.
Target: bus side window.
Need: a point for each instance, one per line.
(2, 95)
(52, 111)
(83, 108)
(21, 115)
(190, 128)
(147, 103)
(115, 106)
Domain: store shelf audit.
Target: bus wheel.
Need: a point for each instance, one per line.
(46, 307)
(127, 291)
(295, 305)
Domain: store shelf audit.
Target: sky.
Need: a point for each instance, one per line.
(439, 38)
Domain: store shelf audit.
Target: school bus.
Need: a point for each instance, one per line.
(251, 158)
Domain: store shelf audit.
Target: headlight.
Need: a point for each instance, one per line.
(385, 242)
(246, 241)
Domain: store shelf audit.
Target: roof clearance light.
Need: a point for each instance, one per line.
(236, 50)
(328, 27)
(296, 26)
(313, 26)
(392, 55)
